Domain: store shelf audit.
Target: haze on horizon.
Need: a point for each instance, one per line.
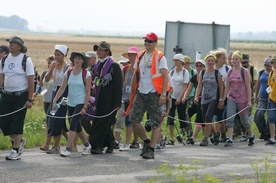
(140, 16)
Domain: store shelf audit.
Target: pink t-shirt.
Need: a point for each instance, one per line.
(237, 91)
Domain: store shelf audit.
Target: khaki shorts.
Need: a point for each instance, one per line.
(146, 102)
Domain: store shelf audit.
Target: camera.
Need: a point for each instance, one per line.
(177, 49)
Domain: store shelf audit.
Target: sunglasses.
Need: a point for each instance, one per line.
(199, 65)
(245, 62)
(149, 41)
(266, 65)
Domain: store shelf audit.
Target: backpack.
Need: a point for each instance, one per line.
(183, 72)
(242, 73)
(84, 72)
(23, 63)
(216, 74)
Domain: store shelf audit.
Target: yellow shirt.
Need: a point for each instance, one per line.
(255, 74)
(272, 84)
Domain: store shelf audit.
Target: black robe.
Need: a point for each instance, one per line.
(110, 97)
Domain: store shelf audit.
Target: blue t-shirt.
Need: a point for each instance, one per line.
(263, 85)
(76, 89)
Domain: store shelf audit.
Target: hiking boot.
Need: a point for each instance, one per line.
(53, 150)
(134, 145)
(149, 154)
(145, 148)
(13, 155)
(170, 142)
(109, 150)
(124, 147)
(251, 140)
(86, 150)
(190, 140)
(270, 142)
(21, 146)
(44, 147)
(228, 143)
(179, 138)
(65, 153)
(96, 151)
(116, 145)
(216, 138)
(244, 138)
(204, 142)
(223, 139)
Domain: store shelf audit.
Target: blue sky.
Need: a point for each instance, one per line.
(141, 15)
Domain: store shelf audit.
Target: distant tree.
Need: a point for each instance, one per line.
(13, 22)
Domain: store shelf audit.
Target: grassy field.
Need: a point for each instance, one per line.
(41, 46)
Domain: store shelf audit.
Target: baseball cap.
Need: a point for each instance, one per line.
(91, 54)
(201, 61)
(123, 60)
(179, 56)
(151, 36)
(4, 48)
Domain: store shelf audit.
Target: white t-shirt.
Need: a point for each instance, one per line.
(58, 75)
(15, 76)
(76, 88)
(145, 80)
(223, 72)
(178, 81)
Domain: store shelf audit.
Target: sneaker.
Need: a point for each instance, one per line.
(251, 140)
(21, 146)
(216, 138)
(65, 153)
(170, 142)
(13, 155)
(134, 145)
(145, 148)
(163, 142)
(269, 142)
(244, 138)
(204, 142)
(124, 147)
(158, 148)
(228, 143)
(149, 154)
(109, 150)
(86, 150)
(190, 140)
(53, 150)
(44, 147)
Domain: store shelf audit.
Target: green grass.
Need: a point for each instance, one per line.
(35, 132)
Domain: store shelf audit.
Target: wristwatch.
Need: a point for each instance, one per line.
(163, 94)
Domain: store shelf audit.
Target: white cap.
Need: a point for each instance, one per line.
(123, 60)
(179, 56)
(91, 54)
(62, 48)
(201, 61)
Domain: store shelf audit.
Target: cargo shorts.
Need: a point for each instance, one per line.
(147, 102)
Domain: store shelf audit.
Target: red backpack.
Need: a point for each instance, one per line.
(84, 71)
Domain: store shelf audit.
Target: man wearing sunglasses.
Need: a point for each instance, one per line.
(149, 90)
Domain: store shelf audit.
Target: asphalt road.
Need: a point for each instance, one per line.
(224, 163)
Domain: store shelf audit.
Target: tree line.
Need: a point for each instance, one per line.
(13, 22)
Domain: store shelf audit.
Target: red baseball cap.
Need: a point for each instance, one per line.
(151, 36)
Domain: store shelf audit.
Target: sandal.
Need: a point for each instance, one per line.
(44, 147)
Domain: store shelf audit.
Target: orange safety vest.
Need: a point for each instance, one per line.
(157, 78)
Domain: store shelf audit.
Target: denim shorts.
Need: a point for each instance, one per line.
(271, 113)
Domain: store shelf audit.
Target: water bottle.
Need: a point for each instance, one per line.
(38, 89)
(53, 112)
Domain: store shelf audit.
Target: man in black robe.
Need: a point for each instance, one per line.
(108, 81)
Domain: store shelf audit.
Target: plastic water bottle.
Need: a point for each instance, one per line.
(38, 89)
(53, 112)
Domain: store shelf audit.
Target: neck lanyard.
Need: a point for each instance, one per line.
(146, 61)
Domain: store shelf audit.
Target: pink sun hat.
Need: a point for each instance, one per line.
(132, 49)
